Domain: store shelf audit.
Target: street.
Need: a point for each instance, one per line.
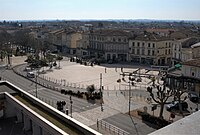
(45, 94)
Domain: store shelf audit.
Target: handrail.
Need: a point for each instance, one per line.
(111, 127)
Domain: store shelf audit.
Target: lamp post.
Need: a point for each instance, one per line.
(71, 102)
(130, 82)
(129, 108)
(36, 94)
(101, 96)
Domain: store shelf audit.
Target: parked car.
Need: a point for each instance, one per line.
(30, 75)
(193, 97)
(27, 69)
(175, 106)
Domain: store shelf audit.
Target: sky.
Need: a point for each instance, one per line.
(99, 9)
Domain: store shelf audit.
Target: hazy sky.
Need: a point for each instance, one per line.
(99, 9)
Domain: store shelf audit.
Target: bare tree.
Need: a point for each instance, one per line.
(22, 38)
(161, 96)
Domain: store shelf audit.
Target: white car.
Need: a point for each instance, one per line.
(31, 75)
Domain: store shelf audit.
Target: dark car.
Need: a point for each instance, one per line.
(193, 97)
(175, 106)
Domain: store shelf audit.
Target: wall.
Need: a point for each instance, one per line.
(196, 52)
(191, 71)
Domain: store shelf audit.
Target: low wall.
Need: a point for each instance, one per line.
(72, 122)
(42, 122)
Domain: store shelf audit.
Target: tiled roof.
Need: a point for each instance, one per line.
(146, 36)
(159, 30)
(111, 32)
(56, 31)
(194, 62)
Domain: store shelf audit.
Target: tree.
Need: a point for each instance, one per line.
(5, 44)
(23, 39)
(43, 63)
(161, 96)
(90, 89)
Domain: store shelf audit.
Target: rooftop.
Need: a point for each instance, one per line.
(196, 45)
(186, 126)
(147, 36)
(112, 32)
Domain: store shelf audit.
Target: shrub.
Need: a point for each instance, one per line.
(153, 120)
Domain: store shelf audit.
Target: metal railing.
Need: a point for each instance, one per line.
(110, 127)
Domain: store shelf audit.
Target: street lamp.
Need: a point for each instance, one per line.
(101, 96)
(36, 94)
(130, 82)
(71, 102)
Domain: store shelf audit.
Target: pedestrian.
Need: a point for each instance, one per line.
(121, 69)
(97, 124)
(105, 70)
(115, 69)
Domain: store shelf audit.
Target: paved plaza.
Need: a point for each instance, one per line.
(82, 76)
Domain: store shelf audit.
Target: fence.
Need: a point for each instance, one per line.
(111, 127)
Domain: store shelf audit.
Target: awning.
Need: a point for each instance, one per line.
(178, 66)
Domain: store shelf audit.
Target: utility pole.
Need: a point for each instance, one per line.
(101, 96)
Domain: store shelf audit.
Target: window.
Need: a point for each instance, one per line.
(142, 51)
(152, 52)
(165, 52)
(133, 51)
(169, 51)
(158, 51)
(119, 39)
(192, 73)
(138, 51)
(113, 39)
(149, 52)
(138, 44)
(149, 44)
(133, 44)
(142, 44)
(153, 45)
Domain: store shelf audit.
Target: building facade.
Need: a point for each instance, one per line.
(109, 44)
(196, 50)
(149, 49)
